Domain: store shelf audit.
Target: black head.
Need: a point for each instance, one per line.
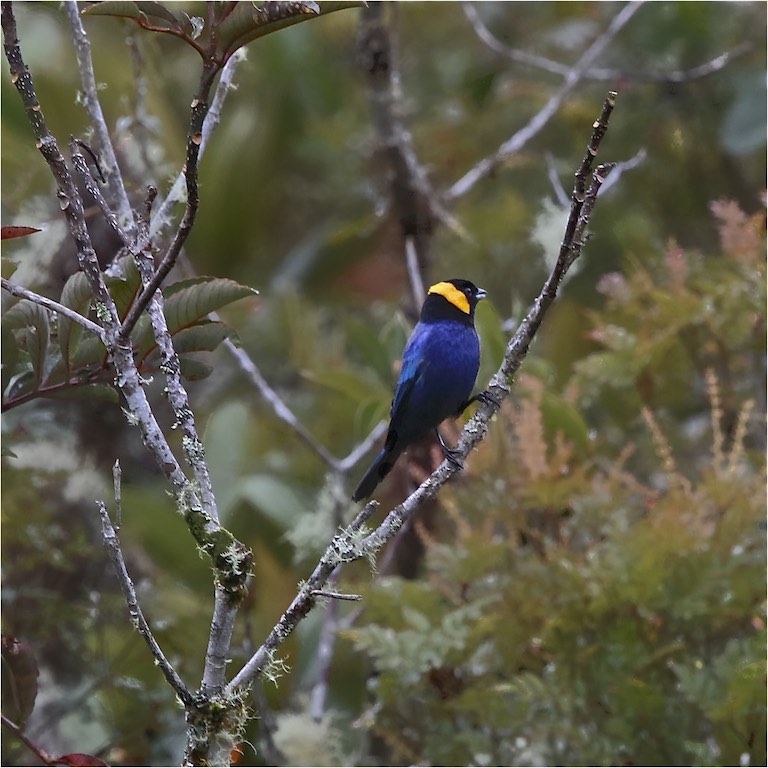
(453, 299)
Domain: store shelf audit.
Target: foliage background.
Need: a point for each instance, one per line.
(576, 598)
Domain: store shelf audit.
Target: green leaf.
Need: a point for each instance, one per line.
(274, 498)
(248, 22)
(29, 321)
(96, 391)
(194, 370)
(20, 674)
(559, 415)
(188, 304)
(8, 267)
(124, 289)
(139, 12)
(75, 295)
(204, 337)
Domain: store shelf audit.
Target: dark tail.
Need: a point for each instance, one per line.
(380, 468)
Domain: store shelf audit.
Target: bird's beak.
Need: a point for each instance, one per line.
(481, 294)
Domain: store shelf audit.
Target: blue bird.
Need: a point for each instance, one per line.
(440, 365)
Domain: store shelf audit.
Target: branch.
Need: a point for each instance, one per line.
(352, 542)
(90, 96)
(598, 73)
(515, 143)
(199, 110)
(53, 306)
(115, 553)
(163, 215)
(42, 756)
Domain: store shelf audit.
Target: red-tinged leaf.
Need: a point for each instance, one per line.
(80, 759)
(8, 233)
(29, 322)
(19, 679)
(75, 295)
(248, 22)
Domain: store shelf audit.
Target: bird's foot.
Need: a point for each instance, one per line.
(484, 397)
(452, 454)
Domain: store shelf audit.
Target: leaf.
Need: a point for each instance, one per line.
(75, 295)
(274, 498)
(97, 391)
(194, 370)
(19, 679)
(139, 12)
(248, 22)
(8, 233)
(125, 288)
(30, 321)
(8, 267)
(204, 337)
(188, 304)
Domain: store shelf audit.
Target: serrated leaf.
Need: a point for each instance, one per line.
(19, 680)
(29, 321)
(76, 295)
(248, 22)
(194, 370)
(188, 304)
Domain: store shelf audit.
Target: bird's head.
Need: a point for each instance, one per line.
(453, 298)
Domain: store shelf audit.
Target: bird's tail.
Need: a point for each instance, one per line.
(380, 468)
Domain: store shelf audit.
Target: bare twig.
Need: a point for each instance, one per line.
(414, 274)
(515, 143)
(93, 188)
(603, 74)
(334, 595)
(198, 112)
(343, 466)
(42, 756)
(53, 306)
(93, 106)
(115, 552)
(163, 215)
(350, 544)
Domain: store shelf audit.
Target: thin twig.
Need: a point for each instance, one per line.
(93, 106)
(84, 172)
(515, 143)
(344, 465)
(198, 112)
(163, 215)
(333, 595)
(53, 306)
(115, 553)
(42, 756)
(601, 74)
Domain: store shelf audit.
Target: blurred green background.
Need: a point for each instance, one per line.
(583, 594)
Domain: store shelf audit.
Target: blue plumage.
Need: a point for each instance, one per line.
(440, 365)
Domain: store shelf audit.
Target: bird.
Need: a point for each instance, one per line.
(440, 364)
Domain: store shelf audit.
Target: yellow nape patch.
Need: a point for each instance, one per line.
(451, 293)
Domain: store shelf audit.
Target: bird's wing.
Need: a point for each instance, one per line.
(412, 370)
